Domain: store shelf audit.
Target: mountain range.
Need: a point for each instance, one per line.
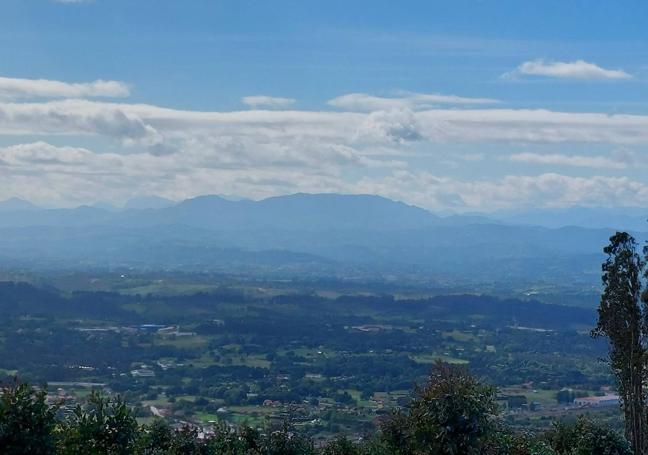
(315, 234)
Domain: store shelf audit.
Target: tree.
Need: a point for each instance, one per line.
(342, 446)
(622, 319)
(565, 396)
(452, 414)
(509, 442)
(156, 438)
(584, 437)
(282, 441)
(103, 426)
(27, 422)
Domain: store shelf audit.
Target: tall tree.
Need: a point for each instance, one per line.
(622, 319)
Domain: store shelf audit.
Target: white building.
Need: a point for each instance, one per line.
(605, 400)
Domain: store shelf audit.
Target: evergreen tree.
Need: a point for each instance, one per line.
(622, 319)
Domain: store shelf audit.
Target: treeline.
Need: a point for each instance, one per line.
(452, 414)
(18, 299)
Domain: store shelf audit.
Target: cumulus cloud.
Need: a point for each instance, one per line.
(362, 102)
(398, 126)
(568, 160)
(579, 69)
(263, 101)
(14, 88)
(78, 117)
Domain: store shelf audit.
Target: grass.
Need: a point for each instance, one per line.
(160, 401)
(206, 417)
(252, 415)
(145, 420)
(312, 353)
(429, 359)
(251, 361)
(545, 397)
(186, 342)
(81, 393)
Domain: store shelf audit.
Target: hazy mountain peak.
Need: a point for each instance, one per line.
(205, 201)
(314, 198)
(15, 204)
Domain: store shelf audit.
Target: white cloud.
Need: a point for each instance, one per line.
(260, 153)
(51, 175)
(152, 125)
(72, 117)
(579, 69)
(48, 174)
(14, 88)
(362, 102)
(568, 160)
(531, 126)
(512, 191)
(30, 156)
(258, 101)
(398, 126)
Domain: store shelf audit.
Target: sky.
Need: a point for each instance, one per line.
(460, 106)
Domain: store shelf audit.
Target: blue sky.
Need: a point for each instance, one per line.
(458, 105)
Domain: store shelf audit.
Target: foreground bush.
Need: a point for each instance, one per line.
(453, 414)
(27, 422)
(101, 426)
(585, 437)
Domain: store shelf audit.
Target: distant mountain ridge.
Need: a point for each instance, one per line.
(297, 211)
(304, 233)
(301, 211)
(620, 218)
(15, 204)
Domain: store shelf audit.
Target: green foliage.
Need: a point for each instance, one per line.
(584, 437)
(505, 442)
(565, 396)
(27, 422)
(102, 426)
(156, 438)
(453, 414)
(342, 446)
(284, 442)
